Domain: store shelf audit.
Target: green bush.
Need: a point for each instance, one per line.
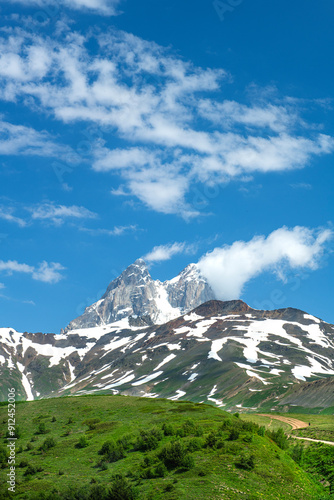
(234, 434)
(3, 455)
(91, 422)
(127, 441)
(161, 470)
(14, 434)
(148, 440)
(30, 470)
(246, 462)
(175, 455)
(297, 453)
(23, 463)
(111, 451)
(168, 430)
(82, 443)
(48, 443)
(195, 444)
(211, 439)
(121, 489)
(280, 438)
(42, 428)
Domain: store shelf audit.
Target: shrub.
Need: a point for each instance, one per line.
(3, 455)
(161, 470)
(148, 440)
(91, 422)
(226, 424)
(127, 441)
(168, 430)
(234, 434)
(261, 430)
(42, 428)
(30, 470)
(14, 434)
(23, 463)
(112, 451)
(82, 443)
(297, 453)
(121, 489)
(175, 455)
(48, 443)
(211, 440)
(103, 465)
(280, 438)
(195, 444)
(246, 462)
(29, 447)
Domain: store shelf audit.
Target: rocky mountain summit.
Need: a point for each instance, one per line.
(145, 301)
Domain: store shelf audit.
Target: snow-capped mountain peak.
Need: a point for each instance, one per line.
(136, 295)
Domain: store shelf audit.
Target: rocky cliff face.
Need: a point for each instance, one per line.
(136, 295)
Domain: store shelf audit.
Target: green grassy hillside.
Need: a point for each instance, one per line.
(159, 449)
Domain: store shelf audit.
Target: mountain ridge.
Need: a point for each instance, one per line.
(135, 294)
(225, 353)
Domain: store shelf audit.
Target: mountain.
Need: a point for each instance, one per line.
(225, 353)
(146, 301)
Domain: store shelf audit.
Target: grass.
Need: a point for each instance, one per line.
(217, 455)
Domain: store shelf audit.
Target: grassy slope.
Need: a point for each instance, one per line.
(214, 476)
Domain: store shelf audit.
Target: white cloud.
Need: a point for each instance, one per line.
(21, 140)
(58, 213)
(166, 252)
(278, 118)
(155, 102)
(116, 231)
(2, 286)
(46, 272)
(118, 159)
(229, 268)
(105, 7)
(7, 215)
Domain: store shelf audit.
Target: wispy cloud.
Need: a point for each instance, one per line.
(156, 102)
(48, 212)
(116, 231)
(59, 213)
(21, 140)
(104, 7)
(45, 272)
(229, 268)
(166, 252)
(7, 215)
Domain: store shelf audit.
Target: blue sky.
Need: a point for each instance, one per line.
(179, 132)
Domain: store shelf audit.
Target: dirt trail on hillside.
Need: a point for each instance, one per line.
(295, 424)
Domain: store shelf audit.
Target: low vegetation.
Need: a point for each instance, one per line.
(124, 448)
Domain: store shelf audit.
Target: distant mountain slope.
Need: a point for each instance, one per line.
(223, 352)
(134, 293)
